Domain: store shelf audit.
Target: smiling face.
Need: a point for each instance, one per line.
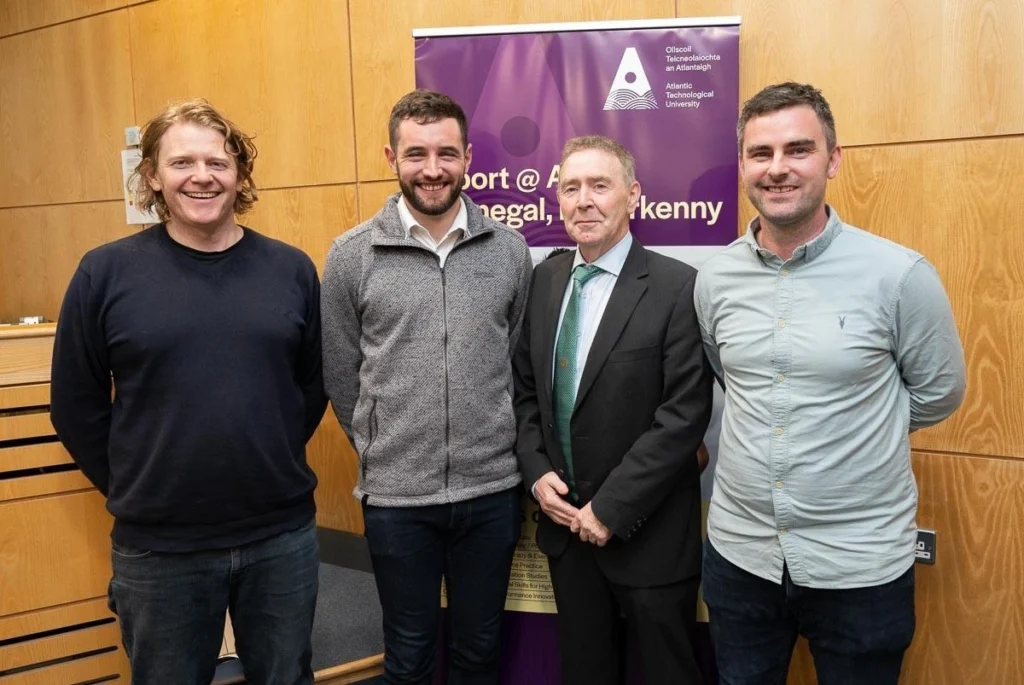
(785, 164)
(595, 200)
(197, 178)
(430, 162)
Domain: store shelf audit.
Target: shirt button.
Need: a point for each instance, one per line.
(778, 483)
(783, 531)
(782, 323)
(778, 431)
(784, 272)
(780, 377)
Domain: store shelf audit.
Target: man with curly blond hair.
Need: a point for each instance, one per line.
(208, 333)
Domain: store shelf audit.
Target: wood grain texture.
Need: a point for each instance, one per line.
(279, 69)
(893, 70)
(352, 672)
(53, 618)
(336, 465)
(40, 248)
(39, 650)
(31, 395)
(382, 50)
(93, 669)
(970, 604)
(30, 330)
(45, 484)
(308, 218)
(24, 15)
(55, 550)
(951, 202)
(33, 456)
(25, 360)
(65, 98)
(20, 426)
(372, 197)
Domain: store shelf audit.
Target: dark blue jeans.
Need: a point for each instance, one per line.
(857, 636)
(470, 544)
(171, 608)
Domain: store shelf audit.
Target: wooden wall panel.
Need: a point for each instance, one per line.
(33, 456)
(34, 424)
(24, 654)
(336, 465)
(55, 550)
(24, 15)
(46, 620)
(279, 69)
(65, 98)
(102, 668)
(970, 604)
(40, 247)
(383, 59)
(893, 70)
(372, 197)
(308, 218)
(951, 202)
(25, 355)
(16, 397)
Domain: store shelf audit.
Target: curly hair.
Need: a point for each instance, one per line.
(201, 113)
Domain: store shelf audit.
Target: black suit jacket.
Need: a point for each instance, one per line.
(642, 408)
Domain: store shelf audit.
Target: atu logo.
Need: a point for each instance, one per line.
(630, 89)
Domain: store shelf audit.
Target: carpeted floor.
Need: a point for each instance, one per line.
(347, 626)
(348, 621)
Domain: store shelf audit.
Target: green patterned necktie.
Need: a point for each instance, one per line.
(565, 367)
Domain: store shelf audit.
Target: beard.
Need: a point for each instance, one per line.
(435, 208)
(785, 217)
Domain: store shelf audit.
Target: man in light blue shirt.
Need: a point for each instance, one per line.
(833, 345)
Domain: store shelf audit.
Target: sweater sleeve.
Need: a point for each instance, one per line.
(518, 309)
(309, 366)
(80, 401)
(341, 352)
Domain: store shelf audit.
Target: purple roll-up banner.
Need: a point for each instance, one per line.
(666, 89)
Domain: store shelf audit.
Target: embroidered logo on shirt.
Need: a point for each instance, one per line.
(842, 322)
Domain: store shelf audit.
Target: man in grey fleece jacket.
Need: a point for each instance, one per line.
(422, 305)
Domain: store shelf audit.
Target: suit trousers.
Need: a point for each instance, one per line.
(660, 622)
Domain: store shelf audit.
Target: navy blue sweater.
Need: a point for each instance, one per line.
(215, 361)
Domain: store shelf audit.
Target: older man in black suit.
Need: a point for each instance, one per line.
(613, 395)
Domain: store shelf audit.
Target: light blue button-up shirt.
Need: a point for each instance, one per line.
(829, 360)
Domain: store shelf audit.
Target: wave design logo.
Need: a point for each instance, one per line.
(630, 89)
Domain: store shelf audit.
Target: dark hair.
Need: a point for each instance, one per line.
(425, 107)
(783, 96)
(201, 113)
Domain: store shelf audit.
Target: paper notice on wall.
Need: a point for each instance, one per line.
(529, 586)
(129, 160)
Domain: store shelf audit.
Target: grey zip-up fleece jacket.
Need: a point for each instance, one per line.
(417, 359)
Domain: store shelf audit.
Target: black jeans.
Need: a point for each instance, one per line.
(857, 636)
(470, 544)
(172, 607)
